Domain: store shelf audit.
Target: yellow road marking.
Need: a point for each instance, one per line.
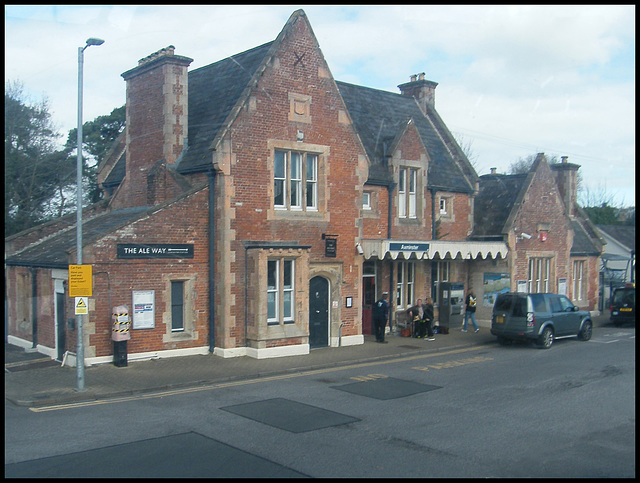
(222, 385)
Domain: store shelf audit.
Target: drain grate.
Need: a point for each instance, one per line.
(386, 388)
(289, 415)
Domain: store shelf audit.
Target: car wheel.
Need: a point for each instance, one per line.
(585, 332)
(546, 338)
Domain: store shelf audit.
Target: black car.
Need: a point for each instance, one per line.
(623, 305)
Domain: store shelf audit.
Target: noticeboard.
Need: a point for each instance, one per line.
(144, 309)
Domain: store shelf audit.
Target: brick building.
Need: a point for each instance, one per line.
(256, 206)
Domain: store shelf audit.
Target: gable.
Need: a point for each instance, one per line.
(495, 201)
(379, 116)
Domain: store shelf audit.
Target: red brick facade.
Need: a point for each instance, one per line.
(273, 255)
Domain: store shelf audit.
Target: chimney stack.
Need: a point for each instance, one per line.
(493, 170)
(421, 89)
(566, 175)
(156, 119)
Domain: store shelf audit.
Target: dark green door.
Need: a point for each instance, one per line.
(61, 325)
(318, 312)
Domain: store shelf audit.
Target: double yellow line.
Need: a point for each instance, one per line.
(221, 385)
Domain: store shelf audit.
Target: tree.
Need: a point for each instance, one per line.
(98, 137)
(40, 181)
(602, 215)
(34, 171)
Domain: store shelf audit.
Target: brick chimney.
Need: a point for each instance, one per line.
(156, 119)
(421, 89)
(566, 175)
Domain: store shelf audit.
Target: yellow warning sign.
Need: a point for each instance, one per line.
(82, 305)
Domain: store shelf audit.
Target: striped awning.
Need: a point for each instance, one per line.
(430, 249)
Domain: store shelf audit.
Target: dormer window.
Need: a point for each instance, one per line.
(407, 192)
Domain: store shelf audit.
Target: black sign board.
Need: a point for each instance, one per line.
(154, 250)
(330, 247)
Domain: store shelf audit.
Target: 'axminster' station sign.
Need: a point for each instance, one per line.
(154, 250)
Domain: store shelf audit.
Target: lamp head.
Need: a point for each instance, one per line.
(94, 41)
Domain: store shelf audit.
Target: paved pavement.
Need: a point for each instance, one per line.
(32, 379)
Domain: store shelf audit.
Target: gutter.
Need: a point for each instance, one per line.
(34, 307)
(211, 175)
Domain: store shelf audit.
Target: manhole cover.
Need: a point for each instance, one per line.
(289, 415)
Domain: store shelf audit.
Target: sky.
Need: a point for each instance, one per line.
(513, 81)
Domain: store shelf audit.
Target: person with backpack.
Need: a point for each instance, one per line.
(470, 312)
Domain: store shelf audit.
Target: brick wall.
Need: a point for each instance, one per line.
(183, 221)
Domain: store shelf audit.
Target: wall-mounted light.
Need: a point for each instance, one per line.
(300, 136)
(359, 249)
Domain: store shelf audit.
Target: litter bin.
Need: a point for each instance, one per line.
(120, 353)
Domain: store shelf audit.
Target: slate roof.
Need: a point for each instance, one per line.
(493, 204)
(624, 234)
(379, 116)
(53, 252)
(582, 243)
(214, 90)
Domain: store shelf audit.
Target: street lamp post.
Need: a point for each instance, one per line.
(80, 342)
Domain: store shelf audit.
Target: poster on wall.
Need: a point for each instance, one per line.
(144, 309)
(494, 283)
(562, 286)
(522, 286)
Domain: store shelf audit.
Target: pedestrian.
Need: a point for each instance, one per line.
(470, 312)
(416, 316)
(380, 315)
(428, 317)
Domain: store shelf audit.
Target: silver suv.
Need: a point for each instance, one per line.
(540, 317)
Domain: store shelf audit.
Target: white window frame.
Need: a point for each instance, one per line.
(312, 182)
(288, 291)
(412, 185)
(295, 183)
(281, 309)
(407, 193)
(280, 180)
(442, 275)
(296, 167)
(402, 193)
(539, 275)
(273, 290)
(405, 284)
(366, 200)
(443, 206)
(578, 280)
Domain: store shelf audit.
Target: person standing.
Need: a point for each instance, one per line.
(428, 318)
(470, 312)
(416, 316)
(380, 315)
